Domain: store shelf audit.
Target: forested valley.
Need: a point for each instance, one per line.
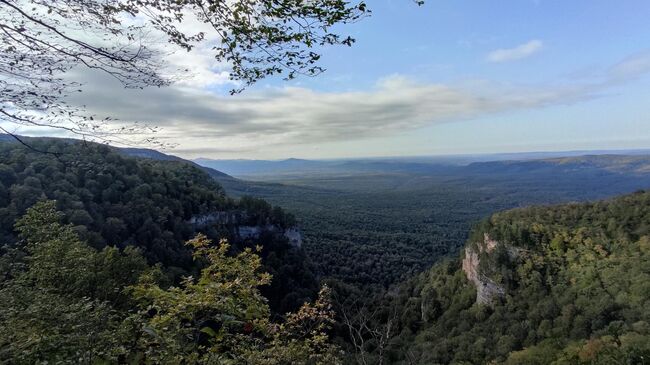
(132, 247)
(378, 223)
(324, 182)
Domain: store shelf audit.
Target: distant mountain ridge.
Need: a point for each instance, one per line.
(635, 161)
(614, 161)
(254, 167)
(159, 156)
(629, 164)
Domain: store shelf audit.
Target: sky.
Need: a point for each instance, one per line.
(448, 77)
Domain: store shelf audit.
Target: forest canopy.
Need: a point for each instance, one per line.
(112, 199)
(62, 301)
(577, 292)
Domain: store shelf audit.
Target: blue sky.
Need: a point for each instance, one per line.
(449, 40)
(445, 78)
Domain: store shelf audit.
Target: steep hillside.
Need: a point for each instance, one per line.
(567, 284)
(153, 203)
(156, 155)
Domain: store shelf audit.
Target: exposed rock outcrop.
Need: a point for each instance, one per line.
(235, 222)
(203, 220)
(487, 290)
(251, 232)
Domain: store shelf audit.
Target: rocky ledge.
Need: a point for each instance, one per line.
(234, 220)
(487, 290)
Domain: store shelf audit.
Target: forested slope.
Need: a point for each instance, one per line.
(574, 286)
(63, 302)
(114, 199)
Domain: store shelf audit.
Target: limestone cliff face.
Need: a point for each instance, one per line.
(217, 218)
(252, 232)
(234, 221)
(486, 289)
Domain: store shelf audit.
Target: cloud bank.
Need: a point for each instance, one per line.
(262, 122)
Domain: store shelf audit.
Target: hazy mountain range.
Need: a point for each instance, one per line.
(512, 162)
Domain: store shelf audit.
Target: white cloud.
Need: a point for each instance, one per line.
(517, 53)
(197, 68)
(283, 121)
(209, 125)
(630, 68)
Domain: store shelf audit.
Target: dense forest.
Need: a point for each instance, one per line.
(128, 255)
(64, 302)
(101, 252)
(374, 229)
(576, 290)
(113, 199)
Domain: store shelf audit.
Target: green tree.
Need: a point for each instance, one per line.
(62, 302)
(257, 38)
(221, 317)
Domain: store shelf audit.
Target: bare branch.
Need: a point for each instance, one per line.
(42, 40)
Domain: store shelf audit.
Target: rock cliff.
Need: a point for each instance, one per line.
(487, 290)
(236, 223)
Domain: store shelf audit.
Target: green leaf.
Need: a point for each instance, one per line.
(209, 331)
